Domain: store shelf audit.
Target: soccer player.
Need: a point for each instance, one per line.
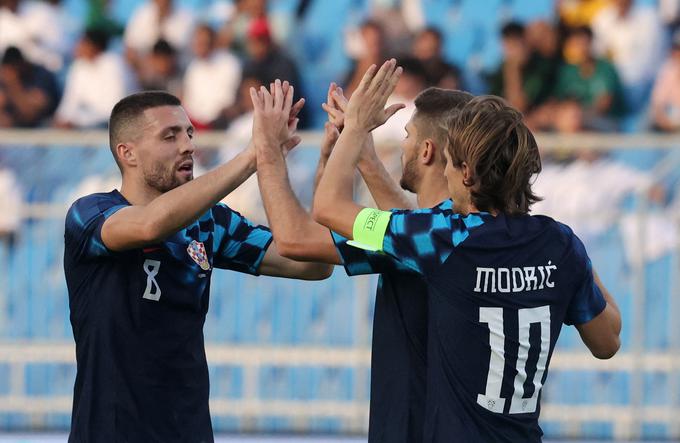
(138, 263)
(398, 359)
(500, 281)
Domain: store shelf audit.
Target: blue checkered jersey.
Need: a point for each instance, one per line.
(137, 319)
(398, 358)
(500, 288)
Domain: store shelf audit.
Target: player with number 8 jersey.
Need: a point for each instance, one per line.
(500, 282)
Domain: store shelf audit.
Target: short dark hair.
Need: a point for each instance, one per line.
(434, 108)
(127, 111)
(413, 66)
(98, 38)
(583, 30)
(512, 30)
(12, 57)
(162, 47)
(489, 135)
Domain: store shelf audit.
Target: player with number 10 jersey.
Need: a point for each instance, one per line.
(500, 282)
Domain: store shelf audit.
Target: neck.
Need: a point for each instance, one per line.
(137, 193)
(432, 191)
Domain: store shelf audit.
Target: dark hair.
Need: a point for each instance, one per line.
(97, 37)
(127, 111)
(434, 108)
(512, 30)
(434, 31)
(413, 66)
(583, 30)
(501, 152)
(12, 57)
(162, 47)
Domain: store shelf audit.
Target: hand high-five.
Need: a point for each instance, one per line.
(366, 107)
(335, 106)
(275, 117)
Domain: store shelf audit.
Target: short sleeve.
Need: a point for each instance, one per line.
(588, 301)
(83, 226)
(360, 261)
(238, 244)
(423, 239)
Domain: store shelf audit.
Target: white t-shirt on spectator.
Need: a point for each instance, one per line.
(210, 85)
(92, 89)
(52, 30)
(13, 32)
(143, 30)
(634, 42)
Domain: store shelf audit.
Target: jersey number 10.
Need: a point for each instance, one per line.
(491, 399)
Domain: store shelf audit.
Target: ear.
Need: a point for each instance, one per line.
(126, 154)
(466, 171)
(428, 152)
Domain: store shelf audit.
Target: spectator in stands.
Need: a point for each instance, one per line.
(234, 34)
(13, 31)
(154, 20)
(160, 70)
(427, 48)
(96, 80)
(588, 87)
(28, 93)
(665, 104)
(266, 60)
(525, 77)
(366, 47)
(632, 37)
(240, 113)
(211, 79)
(53, 33)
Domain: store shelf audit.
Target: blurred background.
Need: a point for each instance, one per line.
(598, 80)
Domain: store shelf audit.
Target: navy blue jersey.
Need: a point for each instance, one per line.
(500, 288)
(398, 358)
(137, 320)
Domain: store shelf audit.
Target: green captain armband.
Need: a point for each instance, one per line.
(369, 229)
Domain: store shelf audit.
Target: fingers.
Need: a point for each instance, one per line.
(296, 108)
(339, 99)
(288, 100)
(329, 95)
(279, 100)
(367, 78)
(383, 73)
(389, 112)
(256, 99)
(291, 143)
(391, 83)
(268, 101)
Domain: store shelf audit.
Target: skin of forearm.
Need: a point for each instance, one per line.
(178, 208)
(385, 191)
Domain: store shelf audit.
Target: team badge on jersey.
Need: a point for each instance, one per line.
(197, 253)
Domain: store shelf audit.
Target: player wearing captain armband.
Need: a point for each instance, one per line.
(399, 339)
(500, 282)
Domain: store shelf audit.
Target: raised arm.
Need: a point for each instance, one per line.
(140, 225)
(601, 334)
(296, 235)
(385, 190)
(333, 203)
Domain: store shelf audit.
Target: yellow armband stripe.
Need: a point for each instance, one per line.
(369, 229)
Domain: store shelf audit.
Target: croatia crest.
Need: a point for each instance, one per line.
(196, 251)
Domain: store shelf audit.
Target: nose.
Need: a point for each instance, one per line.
(187, 146)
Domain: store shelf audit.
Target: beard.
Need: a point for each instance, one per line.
(409, 175)
(163, 179)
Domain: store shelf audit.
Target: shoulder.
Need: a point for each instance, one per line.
(93, 204)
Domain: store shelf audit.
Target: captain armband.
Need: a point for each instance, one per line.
(369, 229)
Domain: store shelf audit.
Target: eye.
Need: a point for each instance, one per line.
(169, 137)
(190, 134)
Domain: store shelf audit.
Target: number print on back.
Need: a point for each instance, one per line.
(491, 399)
(152, 291)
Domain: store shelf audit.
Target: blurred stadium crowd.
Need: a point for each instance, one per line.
(610, 66)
